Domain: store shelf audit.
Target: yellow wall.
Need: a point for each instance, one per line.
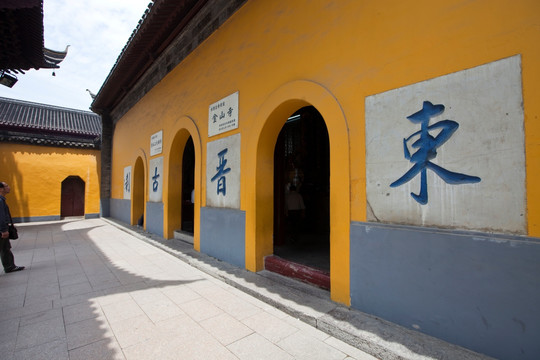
(281, 55)
(35, 174)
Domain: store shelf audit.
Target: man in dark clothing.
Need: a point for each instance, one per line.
(8, 261)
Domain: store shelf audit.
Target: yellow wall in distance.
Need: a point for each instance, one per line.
(35, 174)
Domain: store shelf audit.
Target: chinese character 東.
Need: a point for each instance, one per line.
(427, 150)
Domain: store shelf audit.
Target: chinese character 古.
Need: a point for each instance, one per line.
(427, 149)
(155, 183)
(221, 171)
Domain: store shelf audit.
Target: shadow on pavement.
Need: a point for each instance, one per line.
(80, 282)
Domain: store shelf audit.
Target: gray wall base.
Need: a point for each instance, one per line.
(476, 290)
(121, 210)
(154, 218)
(223, 234)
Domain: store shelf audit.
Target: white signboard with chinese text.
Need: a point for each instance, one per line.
(155, 180)
(450, 152)
(127, 183)
(223, 115)
(156, 143)
(223, 172)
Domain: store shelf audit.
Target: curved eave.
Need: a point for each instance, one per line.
(160, 24)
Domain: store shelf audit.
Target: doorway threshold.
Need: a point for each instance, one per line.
(184, 236)
(298, 271)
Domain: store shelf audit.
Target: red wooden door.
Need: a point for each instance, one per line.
(72, 203)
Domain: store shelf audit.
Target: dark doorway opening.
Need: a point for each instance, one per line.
(188, 186)
(72, 197)
(302, 174)
(137, 194)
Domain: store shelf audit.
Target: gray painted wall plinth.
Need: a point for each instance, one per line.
(476, 290)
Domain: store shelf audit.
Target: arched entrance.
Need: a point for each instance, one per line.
(137, 194)
(181, 186)
(184, 178)
(72, 197)
(268, 122)
(302, 199)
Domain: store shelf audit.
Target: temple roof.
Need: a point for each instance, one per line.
(21, 33)
(40, 124)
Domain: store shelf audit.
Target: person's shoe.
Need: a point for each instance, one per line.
(16, 268)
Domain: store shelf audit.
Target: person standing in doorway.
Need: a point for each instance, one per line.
(295, 212)
(8, 260)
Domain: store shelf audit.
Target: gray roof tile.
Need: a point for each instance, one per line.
(24, 121)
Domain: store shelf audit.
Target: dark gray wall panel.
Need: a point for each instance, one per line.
(480, 291)
(154, 218)
(121, 210)
(223, 234)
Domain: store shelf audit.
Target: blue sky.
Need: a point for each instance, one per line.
(96, 31)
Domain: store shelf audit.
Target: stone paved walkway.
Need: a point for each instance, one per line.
(93, 291)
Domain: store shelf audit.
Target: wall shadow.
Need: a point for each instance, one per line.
(55, 307)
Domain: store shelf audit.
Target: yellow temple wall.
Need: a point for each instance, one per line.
(35, 174)
(281, 56)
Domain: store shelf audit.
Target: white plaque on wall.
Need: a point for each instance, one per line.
(127, 182)
(223, 172)
(155, 180)
(223, 115)
(449, 152)
(156, 143)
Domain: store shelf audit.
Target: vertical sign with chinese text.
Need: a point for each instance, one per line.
(127, 183)
(223, 115)
(155, 180)
(223, 172)
(156, 143)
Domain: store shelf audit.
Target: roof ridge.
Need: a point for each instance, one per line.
(49, 106)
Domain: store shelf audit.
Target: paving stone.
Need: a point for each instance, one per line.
(269, 326)
(8, 339)
(226, 329)
(180, 294)
(106, 349)
(76, 289)
(200, 309)
(161, 309)
(304, 347)
(40, 333)
(122, 310)
(134, 330)
(87, 332)
(56, 350)
(257, 347)
(81, 311)
(41, 316)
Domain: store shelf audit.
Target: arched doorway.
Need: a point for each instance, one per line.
(72, 197)
(181, 211)
(302, 199)
(137, 194)
(188, 186)
(268, 122)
